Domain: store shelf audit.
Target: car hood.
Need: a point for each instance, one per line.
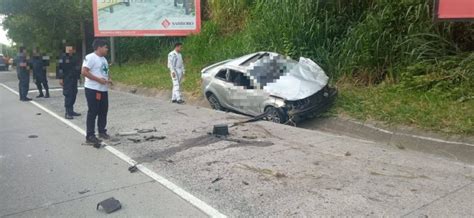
(295, 80)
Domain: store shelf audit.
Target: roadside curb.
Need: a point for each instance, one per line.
(456, 147)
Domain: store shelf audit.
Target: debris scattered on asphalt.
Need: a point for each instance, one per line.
(84, 191)
(153, 138)
(249, 137)
(32, 136)
(133, 169)
(348, 154)
(245, 183)
(280, 175)
(255, 119)
(38, 114)
(116, 143)
(263, 171)
(400, 147)
(113, 139)
(147, 130)
(221, 130)
(127, 133)
(109, 205)
(134, 140)
(170, 161)
(212, 162)
(217, 179)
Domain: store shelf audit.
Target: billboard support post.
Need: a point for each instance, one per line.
(112, 50)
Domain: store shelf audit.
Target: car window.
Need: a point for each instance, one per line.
(222, 74)
(239, 79)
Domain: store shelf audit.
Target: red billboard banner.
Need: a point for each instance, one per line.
(146, 17)
(455, 9)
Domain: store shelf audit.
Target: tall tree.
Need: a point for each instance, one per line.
(45, 23)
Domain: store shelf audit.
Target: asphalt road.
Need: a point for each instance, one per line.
(46, 171)
(261, 170)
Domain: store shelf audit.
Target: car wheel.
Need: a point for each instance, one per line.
(214, 102)
(275, 115)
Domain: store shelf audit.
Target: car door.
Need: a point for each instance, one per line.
(244, 97)
(221, 87)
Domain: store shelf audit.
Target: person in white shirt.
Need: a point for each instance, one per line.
(95, 69)
(176, 67)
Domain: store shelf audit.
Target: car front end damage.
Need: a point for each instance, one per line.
(312, 105)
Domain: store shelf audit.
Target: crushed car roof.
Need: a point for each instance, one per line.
(281, 76)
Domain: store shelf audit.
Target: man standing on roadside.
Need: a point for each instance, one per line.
(39, 73)
(69, 74)
(21, 62)
(176, 67)
(95, 69)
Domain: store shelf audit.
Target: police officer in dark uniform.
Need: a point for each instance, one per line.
(69, 74)
(21, 62)
(37, 64)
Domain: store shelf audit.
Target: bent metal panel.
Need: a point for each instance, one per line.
(462, 10)
(146, 17)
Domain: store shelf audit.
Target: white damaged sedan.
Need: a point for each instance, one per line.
(268, 83)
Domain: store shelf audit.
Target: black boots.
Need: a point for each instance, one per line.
(94, 141)
(70, 114)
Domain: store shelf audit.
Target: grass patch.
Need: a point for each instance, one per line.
(390, 104)
(155, 75)
(148, 74)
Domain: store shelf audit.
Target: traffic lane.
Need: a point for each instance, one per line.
(44, 167)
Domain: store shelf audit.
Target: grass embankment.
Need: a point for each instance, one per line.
(389, 103)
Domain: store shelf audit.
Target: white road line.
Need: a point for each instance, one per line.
(414, 136)
(55, 90)
(196, 202)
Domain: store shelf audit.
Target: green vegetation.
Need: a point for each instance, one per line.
(390, 60)
(395, 105)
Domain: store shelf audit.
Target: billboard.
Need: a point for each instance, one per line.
(146, 17)
(461, 10)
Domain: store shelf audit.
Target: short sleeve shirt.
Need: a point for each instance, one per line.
(99, 67)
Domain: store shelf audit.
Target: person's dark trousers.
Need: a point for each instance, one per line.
(98, 104)
(24, 84)
(42, 81)
(70, 93)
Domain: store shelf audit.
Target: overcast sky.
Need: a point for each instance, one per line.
(3, 34)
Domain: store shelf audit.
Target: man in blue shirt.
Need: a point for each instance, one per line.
(38, 66)
(21, 62)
